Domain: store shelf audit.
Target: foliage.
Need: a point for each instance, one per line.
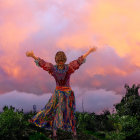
(130, 103)
(93, 122)
(38, 136)
(102, 121)
(85, 121)
(123, 125)
(115, 136)
(126, 121)
(12, 123)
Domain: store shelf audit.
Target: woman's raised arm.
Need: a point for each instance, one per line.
(75, 64)
(41, 63)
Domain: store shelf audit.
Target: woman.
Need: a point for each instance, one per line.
(59, 112)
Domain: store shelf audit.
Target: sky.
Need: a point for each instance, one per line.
(48, 26)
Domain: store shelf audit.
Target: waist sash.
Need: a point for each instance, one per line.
(63, 88)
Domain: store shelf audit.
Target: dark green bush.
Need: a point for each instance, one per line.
(38, 136)
(12, 124)
(125, 125)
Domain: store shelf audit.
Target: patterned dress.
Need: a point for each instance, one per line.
(59, 112)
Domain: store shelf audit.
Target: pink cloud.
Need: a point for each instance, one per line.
(49, 26)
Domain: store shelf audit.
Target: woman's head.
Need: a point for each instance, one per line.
(60, 57)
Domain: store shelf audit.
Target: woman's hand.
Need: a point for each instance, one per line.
(93, 49)
(29, 54)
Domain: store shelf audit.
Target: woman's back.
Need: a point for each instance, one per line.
(61, 76)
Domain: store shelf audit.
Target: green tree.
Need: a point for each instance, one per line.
(130, 103)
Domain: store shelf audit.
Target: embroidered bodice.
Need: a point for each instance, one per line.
(61, 76)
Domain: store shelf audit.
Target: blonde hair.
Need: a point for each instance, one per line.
(60, 56)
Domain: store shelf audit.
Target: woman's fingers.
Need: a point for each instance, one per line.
(32, 52)
(27, 54)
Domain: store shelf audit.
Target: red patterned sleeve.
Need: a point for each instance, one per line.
(75, 64)
(45, 65)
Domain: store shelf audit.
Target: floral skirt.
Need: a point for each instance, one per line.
(59, 112)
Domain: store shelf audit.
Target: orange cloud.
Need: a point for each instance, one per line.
(115, 23)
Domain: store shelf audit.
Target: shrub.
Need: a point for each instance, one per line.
(128, 125)
(38, 136)
(115, 136)
(12, 124)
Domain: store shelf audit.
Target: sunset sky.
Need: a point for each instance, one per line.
(72, 26)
